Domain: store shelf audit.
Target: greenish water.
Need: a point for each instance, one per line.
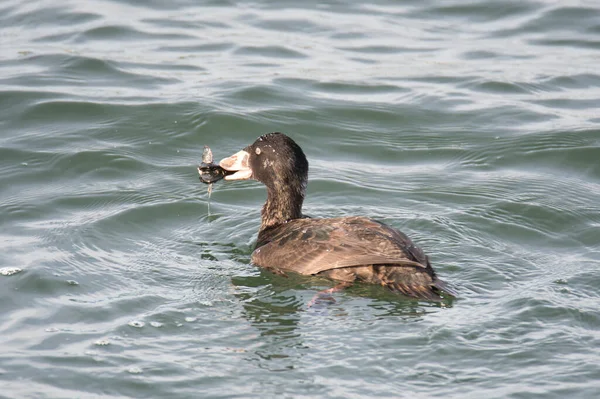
(474, 127)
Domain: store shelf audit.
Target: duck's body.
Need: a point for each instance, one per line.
(348, 249)
(345, 249)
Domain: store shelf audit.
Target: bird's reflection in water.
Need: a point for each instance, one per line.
(277, 307)
(273, 307)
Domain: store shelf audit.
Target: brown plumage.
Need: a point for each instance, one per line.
(345, 249)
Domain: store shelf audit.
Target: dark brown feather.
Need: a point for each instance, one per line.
(310, 246)
(348, 249)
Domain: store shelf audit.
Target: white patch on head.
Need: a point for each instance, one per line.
(268, 163)
(257, 151)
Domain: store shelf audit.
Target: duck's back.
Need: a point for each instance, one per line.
(348, 249)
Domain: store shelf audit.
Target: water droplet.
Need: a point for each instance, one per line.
(190, 319)
(51, 329)
(136, 323)
(72, 282)
(102, 342)
(156, 324)
(9, 271)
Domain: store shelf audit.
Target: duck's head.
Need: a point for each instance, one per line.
(274, 159)
(279, 163)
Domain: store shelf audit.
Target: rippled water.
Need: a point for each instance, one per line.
(472, 126)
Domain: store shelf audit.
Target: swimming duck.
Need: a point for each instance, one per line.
(344, 249)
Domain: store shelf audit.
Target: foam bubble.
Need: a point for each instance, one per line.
(134, 370)
(136, 323)
(9, 271)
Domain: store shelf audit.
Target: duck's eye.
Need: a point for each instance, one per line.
(257, 151)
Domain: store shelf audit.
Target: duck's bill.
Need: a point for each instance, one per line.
(239, 164)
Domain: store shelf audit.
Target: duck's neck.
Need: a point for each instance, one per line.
(284, 203)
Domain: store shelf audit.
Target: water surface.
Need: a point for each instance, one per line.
(471, 126)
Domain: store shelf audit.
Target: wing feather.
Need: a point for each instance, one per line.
(311, 246)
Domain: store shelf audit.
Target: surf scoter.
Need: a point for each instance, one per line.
(345, 249)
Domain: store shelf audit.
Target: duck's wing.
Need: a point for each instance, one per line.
(311, 246)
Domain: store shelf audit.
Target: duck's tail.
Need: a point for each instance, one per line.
(436, 290)
(417, 283)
